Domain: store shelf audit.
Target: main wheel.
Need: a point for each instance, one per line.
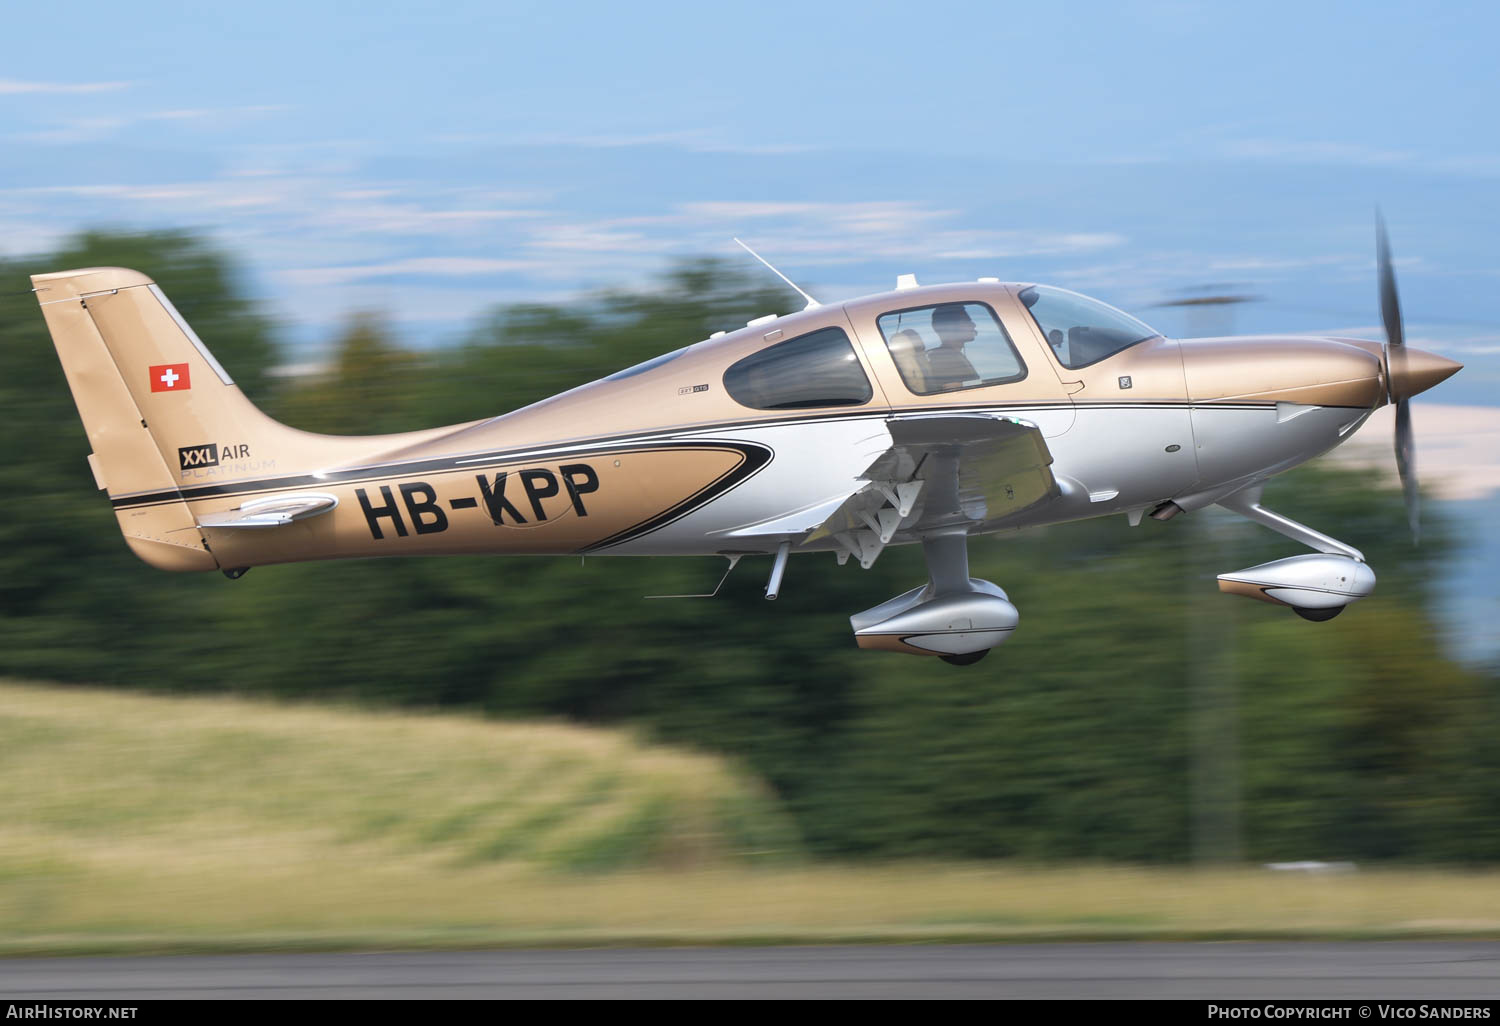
(1317, 615)
(967, 659)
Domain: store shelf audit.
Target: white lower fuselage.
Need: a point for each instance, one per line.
(1107, 460)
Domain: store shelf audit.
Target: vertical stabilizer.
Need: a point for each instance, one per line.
(127, 456)
(167, 424)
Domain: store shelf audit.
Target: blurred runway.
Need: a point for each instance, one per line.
(1358, 971)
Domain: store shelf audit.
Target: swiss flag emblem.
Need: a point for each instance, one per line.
(170, 377)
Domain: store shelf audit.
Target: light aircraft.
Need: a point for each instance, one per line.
(921, 415)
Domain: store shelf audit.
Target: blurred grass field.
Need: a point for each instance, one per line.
(141, 823)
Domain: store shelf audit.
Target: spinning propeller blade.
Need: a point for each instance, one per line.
(1396, 369)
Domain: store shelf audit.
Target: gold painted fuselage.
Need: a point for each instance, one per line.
(664, 460)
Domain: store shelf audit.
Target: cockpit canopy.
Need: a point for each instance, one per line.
(957, 343)
(1080, 330)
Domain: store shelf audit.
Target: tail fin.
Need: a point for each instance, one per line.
(160, 412)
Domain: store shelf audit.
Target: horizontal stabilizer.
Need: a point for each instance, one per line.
(272, 512)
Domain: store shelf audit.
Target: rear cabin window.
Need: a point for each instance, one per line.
(949, 347)
(819, 369)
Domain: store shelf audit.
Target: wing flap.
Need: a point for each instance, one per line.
(963, 470)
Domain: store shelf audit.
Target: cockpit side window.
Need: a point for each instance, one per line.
(818, 369)
(1081, 330)
(951, 346)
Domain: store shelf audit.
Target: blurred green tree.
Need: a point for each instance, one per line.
(368, 389)
(74, 604)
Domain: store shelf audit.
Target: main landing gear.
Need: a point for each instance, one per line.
(953, 616)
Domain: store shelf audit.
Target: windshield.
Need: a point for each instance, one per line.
(1081, 330)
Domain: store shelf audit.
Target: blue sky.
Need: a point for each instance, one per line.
(430, 163)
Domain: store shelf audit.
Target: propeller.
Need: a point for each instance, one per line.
(1395, 370)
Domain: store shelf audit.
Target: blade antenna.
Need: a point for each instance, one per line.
(811, 302)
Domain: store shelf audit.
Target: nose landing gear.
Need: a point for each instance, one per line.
(1316, 586)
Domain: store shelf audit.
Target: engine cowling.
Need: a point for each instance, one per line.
(1317, 585)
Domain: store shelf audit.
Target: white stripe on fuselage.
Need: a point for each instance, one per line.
(1123, 450)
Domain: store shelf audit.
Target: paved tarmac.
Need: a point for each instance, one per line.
(1356, 971)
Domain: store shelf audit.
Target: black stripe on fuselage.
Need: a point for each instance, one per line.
(756, 457)
(482, 458)
(755, 454)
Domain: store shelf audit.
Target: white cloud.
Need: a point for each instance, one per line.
(1006, 245)
(199, 113)
(695, 141)
(816, 226)
(315, 205)
(1152, 275)
(13, 87)
(443, 310)
(1252, 263)
(305, 369)
(348, 213)
(1285, 151)
(76, 130)
(164, 192)
(25, 238)
(857, 232)
(1315, 152)
(1470, 345)
(443, 267)
(595, 238)
(94, 129)
(737, 210)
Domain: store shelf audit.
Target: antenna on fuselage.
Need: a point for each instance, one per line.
(811, 302)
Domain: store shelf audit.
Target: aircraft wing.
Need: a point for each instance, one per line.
(958, 470)
(270, 512)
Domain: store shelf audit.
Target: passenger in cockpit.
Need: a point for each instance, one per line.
(910, 356)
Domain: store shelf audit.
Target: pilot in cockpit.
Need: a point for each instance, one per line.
(1059, 345)
(948, 367)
